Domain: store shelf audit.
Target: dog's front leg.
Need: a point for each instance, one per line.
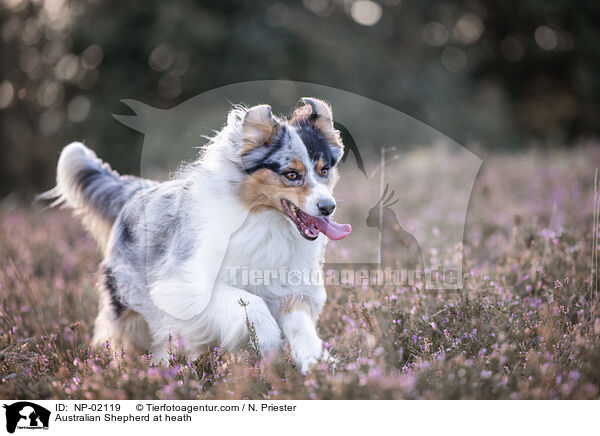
(301, 333)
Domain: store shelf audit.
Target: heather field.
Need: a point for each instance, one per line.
(526, 325)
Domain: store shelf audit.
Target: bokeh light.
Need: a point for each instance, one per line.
(366, 12)
(162, 57)
(468, 29)
(435, 34)
(7, 92)
(546, 38)
(78, 109)
(454, 59)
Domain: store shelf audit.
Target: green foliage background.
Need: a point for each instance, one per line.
(497, 74)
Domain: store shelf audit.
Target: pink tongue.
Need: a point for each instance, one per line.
(331, 229)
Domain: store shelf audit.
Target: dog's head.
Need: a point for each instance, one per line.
(291, 166)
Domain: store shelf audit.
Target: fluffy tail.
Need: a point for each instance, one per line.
(90, 187)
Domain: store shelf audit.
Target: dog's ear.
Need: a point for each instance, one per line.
(258, 126)
(318, 113)
(318, 110)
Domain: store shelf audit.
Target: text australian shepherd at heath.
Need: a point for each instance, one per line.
(109, 417)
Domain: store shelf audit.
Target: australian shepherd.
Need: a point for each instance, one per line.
(258, 198)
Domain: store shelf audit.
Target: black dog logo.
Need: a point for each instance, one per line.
(28, 415)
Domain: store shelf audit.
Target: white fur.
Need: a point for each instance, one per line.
(193, 299)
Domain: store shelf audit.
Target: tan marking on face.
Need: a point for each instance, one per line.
(265, 189)
(298, 166)
(259, 189)
(320, 164)
(333, 174)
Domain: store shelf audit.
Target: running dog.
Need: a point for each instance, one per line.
(258, 198)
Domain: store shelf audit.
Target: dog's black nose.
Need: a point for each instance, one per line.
(326, 207)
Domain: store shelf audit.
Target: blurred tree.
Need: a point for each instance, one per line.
(498, 73)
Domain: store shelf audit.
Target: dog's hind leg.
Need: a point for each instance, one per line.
(133, 331)
(127, 331)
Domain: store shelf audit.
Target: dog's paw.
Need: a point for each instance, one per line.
(308, 355)
(324, 356)
(307, 366)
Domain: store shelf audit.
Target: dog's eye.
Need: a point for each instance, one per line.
(292, 175)
(324, 172)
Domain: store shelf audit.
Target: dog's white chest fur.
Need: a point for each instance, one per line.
(268, 241)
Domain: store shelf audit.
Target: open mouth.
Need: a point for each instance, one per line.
(310, 226)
